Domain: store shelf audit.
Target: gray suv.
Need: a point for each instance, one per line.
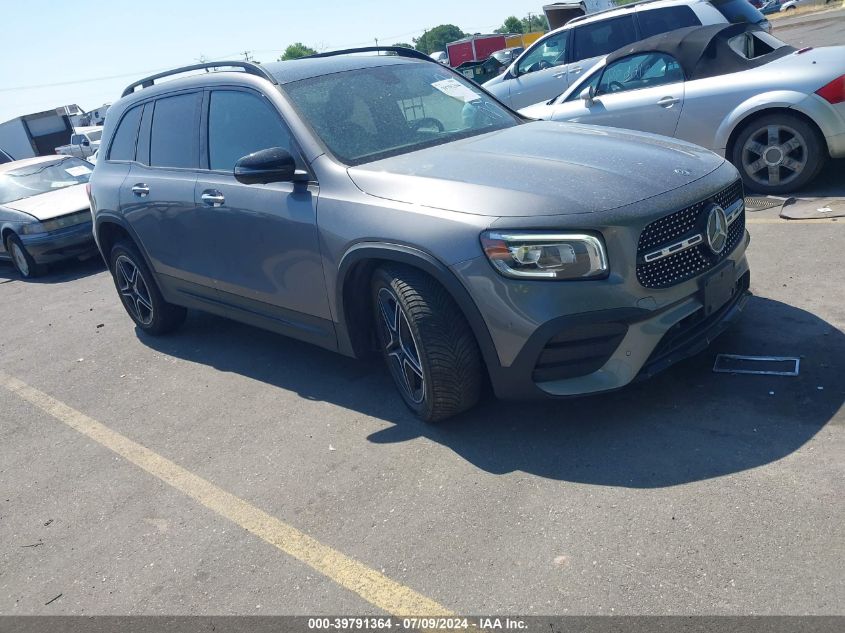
(380, 202)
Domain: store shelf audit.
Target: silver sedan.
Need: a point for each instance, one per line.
(775, 112)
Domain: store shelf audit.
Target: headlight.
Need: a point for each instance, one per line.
(32, 229)
(542, 255)
(55, 224)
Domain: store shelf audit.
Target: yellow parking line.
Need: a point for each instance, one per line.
(372, 586)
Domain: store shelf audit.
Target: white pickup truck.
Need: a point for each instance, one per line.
(83, 143)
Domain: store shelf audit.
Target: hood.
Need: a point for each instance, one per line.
(539, 168)
(53, 204)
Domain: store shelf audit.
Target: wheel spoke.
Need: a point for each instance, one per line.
(774, 174)
(773, 134)
(792, 165)
(757, 165)
(143, 301)
(790, 145)
(754, 146)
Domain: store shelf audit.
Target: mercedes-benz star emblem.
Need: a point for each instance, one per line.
(717, 229)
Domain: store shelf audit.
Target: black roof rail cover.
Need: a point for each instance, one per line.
(401, 51)
(248, 67)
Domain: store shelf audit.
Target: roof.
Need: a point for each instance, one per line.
(16, 164)
(308, 67)
(642, 5)
(702, 51)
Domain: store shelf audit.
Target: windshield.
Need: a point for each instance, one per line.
(371, 113)
(94, 136)
(32, 180)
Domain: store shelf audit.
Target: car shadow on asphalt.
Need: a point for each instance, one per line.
(60, 272)
(687, 424)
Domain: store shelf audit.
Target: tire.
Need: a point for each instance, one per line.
(21, 259)
(778, 153)
(428, 346)
(139, 293)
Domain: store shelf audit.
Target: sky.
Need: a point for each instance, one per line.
(59, 52)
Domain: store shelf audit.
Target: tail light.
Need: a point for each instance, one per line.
(834, 92)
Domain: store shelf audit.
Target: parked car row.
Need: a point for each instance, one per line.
(775, 112)
(562, 56)
(464, 242)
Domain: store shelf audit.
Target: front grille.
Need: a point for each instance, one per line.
(578, 351)
(681, 225)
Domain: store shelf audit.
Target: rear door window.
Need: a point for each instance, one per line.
(656, 21)
(240, 123)
(603, 37)
(123, 145)
(173, 140)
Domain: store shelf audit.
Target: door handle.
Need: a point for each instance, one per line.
(212, 198)
(560, 75)
(141, 190)
(668, 102)
(575, 70)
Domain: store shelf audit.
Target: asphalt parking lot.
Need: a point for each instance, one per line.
(226, 470)
(691, 493)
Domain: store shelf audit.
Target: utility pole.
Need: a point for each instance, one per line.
(246, 55)
(377, 52)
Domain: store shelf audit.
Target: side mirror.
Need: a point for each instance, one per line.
(588, 95)
(268, 165)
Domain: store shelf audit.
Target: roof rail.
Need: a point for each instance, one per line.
(248, 67)
(401, 51)
(630, 5)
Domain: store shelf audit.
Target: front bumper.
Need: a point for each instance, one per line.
(67, 243)
(606, 349)
(564, 339)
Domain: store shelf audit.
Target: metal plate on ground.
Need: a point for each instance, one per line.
(813, 209)
(757, 365)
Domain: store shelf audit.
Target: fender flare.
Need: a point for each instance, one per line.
(777, 99)
(112, 218)
(429, 264)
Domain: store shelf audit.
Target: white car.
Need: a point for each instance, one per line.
(775, 112)
(562, 56)
(45, 214)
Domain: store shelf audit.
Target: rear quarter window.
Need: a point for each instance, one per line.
(738, 11)
(603, 37)
(657, 21)
(123, 145)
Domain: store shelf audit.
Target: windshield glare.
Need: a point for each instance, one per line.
(32, 180)
(370, 113)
